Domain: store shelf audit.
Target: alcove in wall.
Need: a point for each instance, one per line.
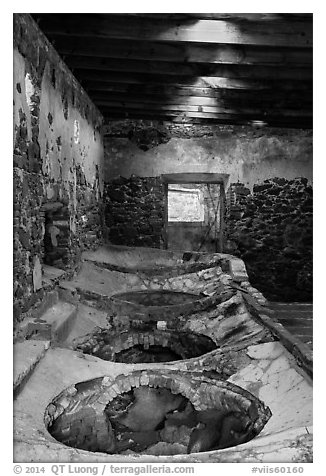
(56, 234)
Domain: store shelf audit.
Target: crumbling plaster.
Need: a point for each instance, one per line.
(249, 156)
(59, 151)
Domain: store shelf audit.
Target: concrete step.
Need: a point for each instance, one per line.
(97, 285)
(27, 354)
(55, 324)
(51, 274)
(49, 299)
(88, 319)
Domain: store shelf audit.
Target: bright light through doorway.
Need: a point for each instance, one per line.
(185, 204)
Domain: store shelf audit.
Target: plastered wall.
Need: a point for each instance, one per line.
(248, 155)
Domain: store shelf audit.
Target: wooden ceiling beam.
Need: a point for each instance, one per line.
(237, 17)
(267, 101)
(184, 53)
(176, 91)
(192, 70)
(273, 33)
(172, 90)
(213, 83)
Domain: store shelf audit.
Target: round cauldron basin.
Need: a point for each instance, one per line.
(148, 345)
(153, 298)
(157, 304)
(155, 412)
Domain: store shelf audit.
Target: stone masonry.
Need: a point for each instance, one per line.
(134, 211)
(271, 230)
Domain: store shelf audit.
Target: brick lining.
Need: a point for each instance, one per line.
(107, 345)
(77, 416)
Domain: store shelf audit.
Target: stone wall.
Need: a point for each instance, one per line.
(58, 163)
(134, 211)
(271, 230)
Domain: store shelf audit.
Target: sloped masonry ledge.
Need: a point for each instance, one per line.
(272, 375)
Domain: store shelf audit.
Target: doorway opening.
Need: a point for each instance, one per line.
(194, 212)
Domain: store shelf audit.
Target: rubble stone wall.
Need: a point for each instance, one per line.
(58, 159)
(134, 211)
(271, 230)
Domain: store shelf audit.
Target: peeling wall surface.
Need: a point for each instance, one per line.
(247, 154)
(58, 160)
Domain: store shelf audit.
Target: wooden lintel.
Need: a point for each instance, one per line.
(195, 177)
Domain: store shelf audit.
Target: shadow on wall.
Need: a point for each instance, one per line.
(271, 230)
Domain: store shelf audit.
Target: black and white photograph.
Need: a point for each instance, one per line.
(162, 240)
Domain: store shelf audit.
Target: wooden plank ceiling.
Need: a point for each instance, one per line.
(191, 68)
